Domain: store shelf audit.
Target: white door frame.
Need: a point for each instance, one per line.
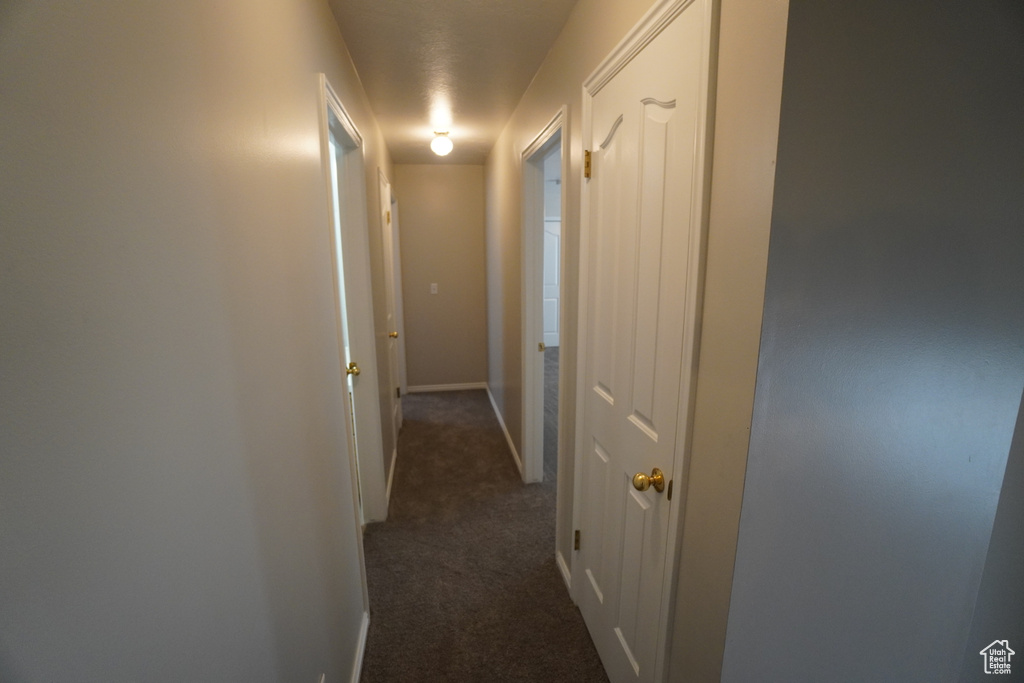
(648, 28)
(532, 286)
(368, 465)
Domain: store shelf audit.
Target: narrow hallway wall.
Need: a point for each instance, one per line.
(175, 499)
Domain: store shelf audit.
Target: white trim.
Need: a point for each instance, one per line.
(647, 29)
(563, 568)
(334, 101)
(391, 471)
(508, 437)
(552, 127)
(357, 665)
(465, 386)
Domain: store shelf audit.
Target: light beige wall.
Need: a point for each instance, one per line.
(174, 499)
(593, 29)
(751, 54)
(442, 241)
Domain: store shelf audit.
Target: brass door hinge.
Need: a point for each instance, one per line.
(387, 215)
(576, 542)
(398, 392)
(586, 163)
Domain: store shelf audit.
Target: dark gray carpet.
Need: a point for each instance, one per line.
(550, 413)
(462, 577)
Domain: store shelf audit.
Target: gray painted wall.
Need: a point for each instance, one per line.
(892, 357)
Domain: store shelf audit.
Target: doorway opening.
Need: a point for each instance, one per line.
(543, 321)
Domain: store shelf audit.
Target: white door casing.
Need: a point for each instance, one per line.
(643, 217)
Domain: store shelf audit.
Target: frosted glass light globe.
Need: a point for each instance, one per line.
(441, 144)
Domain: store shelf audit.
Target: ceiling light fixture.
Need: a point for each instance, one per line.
(441, 144)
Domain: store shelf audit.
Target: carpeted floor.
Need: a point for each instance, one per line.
(462, 577)
(550, 413)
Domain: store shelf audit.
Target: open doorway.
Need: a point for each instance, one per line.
(551, 295)
(544, 163)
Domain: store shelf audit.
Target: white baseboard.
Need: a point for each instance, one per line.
(508, 437)
(423, 388)
(564, 569)
(357, 666)
(391, 473)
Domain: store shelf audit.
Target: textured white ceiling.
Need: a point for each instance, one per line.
(460, 65)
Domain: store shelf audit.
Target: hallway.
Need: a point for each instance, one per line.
(462, 578)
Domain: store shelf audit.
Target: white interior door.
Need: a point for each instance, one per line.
(390, 272)
(642, 239)
(343, 170)
(552, 279)
(396, 266)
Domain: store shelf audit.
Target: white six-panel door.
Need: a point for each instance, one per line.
(551, 280)
(390, 279)
(641, 241)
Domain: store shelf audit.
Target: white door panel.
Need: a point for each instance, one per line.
(391, 280)
(551, 281)
(642, 241)
(550, 314)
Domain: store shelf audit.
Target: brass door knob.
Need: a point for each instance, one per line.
(393, 335)
(641, 482)
(352, 369)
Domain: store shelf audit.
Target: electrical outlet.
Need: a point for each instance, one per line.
(433, 288)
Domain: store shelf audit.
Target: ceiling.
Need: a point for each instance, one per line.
(455, 65)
